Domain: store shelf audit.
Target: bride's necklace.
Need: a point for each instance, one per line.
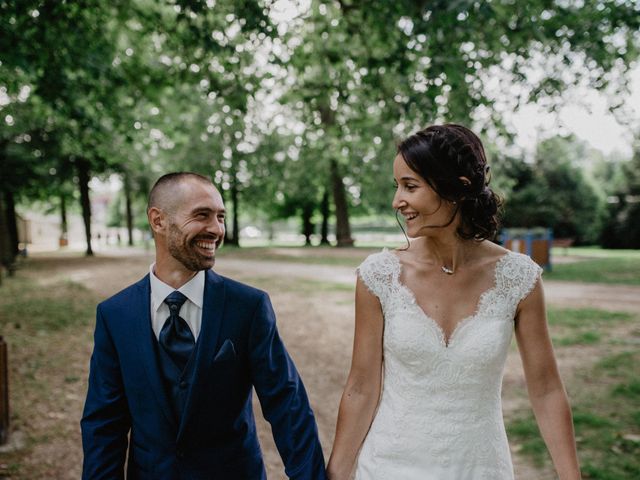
(447, 270)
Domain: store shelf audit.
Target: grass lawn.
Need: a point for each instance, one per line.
(605, 396)
(622, 269)
(48, 330)
(582, 326)
(596, 252)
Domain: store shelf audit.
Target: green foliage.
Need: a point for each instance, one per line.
(141, 87)
(379, 71)
(84, 104)
(622, 228)
(554, 192)
(115, 215)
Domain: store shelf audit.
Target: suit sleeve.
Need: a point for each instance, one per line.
(105, 421)
(283, 398)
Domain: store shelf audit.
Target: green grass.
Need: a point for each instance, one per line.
(584, 317)
(525, 432)
(581, 338)
(620, 269)
(582, 326)
(606, 399)
(59, 306)
(45, 326)
(613, 452)
(596, 252)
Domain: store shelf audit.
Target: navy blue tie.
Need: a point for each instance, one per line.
(175, 337)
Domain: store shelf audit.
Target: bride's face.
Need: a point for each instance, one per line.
(422, 208)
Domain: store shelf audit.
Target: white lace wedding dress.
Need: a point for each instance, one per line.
(440, 413)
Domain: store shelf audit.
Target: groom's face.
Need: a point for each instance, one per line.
(196, 226)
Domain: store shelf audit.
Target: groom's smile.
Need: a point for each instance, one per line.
(194, 234)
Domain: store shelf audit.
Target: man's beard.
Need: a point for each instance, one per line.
(186, 251)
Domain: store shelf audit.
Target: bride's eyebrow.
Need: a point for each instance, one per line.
(409, 179)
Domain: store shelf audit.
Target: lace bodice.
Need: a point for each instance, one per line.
(440, 413)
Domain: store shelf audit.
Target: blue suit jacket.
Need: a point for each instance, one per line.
(239, 348)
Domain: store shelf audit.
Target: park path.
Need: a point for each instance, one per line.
(622, 298)
(319, 339)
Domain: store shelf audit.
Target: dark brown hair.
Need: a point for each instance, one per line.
(441, 154)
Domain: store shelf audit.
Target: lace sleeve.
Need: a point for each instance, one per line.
(376, 272)
(529, 272)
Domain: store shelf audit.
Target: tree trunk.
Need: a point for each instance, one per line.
(343, 229)
(235, 212)
(64, 224)
(325, 210)
(307, 224)
(82, 167)
(4, 239)
(129, 211)
(12, 225)
(231, 236)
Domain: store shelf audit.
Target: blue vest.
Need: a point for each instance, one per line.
(176, 383)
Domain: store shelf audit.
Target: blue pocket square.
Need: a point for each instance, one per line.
(226, 352)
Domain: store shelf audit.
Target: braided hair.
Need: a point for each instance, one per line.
(441, 154)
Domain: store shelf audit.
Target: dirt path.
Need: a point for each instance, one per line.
(316, 324)
(620, 298)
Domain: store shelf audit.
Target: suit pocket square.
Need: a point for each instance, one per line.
(226, 352)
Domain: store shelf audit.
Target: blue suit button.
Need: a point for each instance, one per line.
(180, 454)
(184, 384)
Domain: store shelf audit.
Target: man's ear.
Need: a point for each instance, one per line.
(157, 219)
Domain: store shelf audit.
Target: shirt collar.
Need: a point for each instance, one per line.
(193, 289)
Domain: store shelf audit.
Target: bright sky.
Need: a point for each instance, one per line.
(586, 115)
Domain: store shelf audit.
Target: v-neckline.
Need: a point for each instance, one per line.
(446, 341)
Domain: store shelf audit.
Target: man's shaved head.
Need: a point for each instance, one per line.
(164, 193)
(186, 214)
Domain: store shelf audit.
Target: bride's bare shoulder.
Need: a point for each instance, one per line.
(491, 250)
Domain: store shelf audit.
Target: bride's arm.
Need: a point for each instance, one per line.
(546, 391)
(362, 391)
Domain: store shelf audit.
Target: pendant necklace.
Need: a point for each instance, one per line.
(446, 270)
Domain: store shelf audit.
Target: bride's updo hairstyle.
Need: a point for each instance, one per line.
(441, 154)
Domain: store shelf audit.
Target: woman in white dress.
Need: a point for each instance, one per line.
(433, 326)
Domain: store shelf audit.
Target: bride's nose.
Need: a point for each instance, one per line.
(398, 202)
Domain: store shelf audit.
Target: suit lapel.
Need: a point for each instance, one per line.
(212, 312)
(141, 313)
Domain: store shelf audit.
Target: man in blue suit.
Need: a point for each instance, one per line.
(176, 356)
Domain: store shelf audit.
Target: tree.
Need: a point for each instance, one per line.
(554, 192)
(98, 61)
(385, 69)
(622, 229)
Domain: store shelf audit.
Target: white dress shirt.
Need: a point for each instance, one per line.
(191, 310)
